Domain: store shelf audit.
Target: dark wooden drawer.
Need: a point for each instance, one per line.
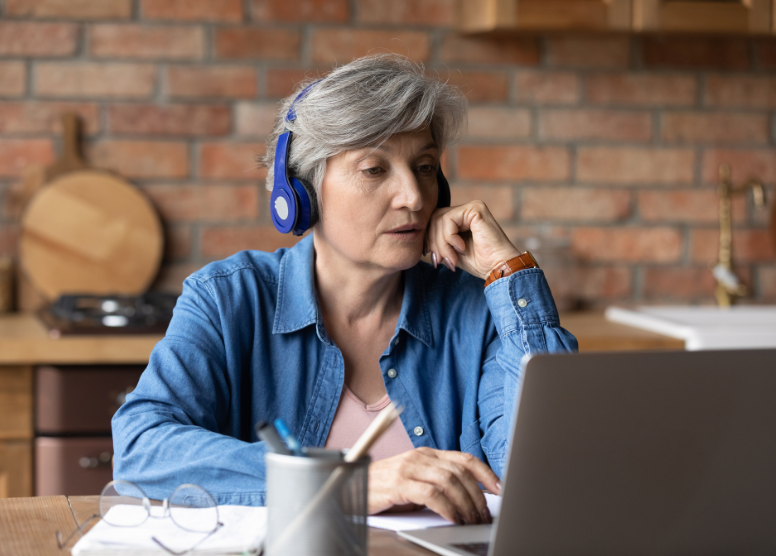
(72, 466)
(81, 399)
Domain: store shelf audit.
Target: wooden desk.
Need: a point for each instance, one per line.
(28, 527)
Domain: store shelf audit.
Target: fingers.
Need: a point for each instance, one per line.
(481, 472)
(455, 483)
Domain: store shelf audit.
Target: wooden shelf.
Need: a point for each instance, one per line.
(677, 16)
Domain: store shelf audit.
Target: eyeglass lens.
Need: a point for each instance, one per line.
(135, 504)
(194, 509)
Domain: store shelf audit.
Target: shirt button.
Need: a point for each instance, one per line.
(396, 342)
(521, 302)
(392, 373)
(418, 431)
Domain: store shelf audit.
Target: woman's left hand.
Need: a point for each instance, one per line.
(467, 236)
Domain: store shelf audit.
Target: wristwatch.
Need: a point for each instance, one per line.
(521, 262)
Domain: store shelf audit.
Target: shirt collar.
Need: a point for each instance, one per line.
(297, 302)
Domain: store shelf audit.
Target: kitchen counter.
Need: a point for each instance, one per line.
(25, 341)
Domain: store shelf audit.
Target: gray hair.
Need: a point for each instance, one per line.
(362, 104)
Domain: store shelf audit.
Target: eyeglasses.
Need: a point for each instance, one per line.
(137, 509)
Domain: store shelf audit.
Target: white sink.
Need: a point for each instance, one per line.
(705, 327)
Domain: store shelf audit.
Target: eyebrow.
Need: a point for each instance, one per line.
(383, 147)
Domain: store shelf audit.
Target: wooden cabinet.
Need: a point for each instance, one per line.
(15, 431)
(682, 16)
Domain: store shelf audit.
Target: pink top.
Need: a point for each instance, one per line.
(353, 417)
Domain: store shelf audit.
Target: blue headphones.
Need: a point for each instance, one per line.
(293, 203)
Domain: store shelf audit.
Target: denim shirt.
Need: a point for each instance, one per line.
(247, 343)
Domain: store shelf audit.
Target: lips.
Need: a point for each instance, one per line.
(406, 228)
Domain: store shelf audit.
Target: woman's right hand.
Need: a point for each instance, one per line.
(444, 481)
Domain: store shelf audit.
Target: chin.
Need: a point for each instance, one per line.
(400, 259)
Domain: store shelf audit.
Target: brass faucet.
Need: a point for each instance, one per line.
(728, 285)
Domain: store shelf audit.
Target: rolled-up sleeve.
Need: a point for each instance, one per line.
(526, 322)
(171, 428)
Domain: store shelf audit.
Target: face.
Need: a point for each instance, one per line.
(376, 203)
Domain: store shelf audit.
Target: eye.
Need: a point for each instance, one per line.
(427, 169)
(374, 171)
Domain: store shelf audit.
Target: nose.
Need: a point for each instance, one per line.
(408, 192)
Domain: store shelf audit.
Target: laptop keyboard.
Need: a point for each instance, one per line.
(477, 548)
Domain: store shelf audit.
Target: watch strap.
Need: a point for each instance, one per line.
(521, 262)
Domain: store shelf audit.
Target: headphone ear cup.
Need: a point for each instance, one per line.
(308, 206)
(313, 198)
(443, 188)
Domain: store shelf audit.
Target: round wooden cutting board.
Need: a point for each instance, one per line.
(90, 232)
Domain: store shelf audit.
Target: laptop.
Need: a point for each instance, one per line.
(657, 453)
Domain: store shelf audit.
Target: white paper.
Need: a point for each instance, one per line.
(423, 519)
(243, 532)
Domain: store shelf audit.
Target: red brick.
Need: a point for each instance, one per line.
(406, 12)
(319, 11)
(695, 127)
(696, 53)
(766, 279)
(610, 125)
(513, 163)
(170, 119)
(142, 159)
(17, 154)
(70, 9)
(259, 44)
(92, 80)
(695, 206)
(20, 38)
(192, 10)
(171, 277)
(231, 161)
(479, 86)
(177, 242)
(497, 199)
(678, 283)
(339, 46)
(765, 54)
(191, 203)
(635, 245)
(748, 246)
(255, 119)
(13, 78)
(607, 282)
(547, 87)
(165, 42)
(29, 117)
(633, 166)
(211, 81)
(641, 89)
(588, 51)
(485, 49)
(746, 91)
(499, 123)
(225, 241)
(281, 82)
(574, 204)
(744, 164)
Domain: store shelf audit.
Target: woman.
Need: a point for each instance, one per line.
(325, 333)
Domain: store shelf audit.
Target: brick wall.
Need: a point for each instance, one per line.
(609, 141)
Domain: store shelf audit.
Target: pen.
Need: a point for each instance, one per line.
(289, 438)
(269, 434)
